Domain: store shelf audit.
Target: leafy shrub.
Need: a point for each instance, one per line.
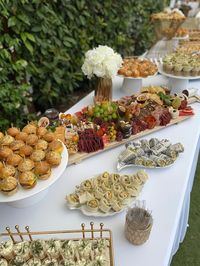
(51, 37)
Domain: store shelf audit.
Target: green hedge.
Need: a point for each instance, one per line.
(46, 40)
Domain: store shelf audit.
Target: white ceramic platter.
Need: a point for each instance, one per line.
(41, 186)
(160, 70)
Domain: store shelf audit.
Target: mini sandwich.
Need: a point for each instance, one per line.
(26, 165)
(32, 139)
(5, 152)
(14, 159)
(53, 158)
(56, 145)
(13, 131)
(26, 150)
(42, 170)
(9, 185)
(27, 179)
(6, 140)
(6, 171)
(49, 136)
(37, 155)
(29, 129)
(16, 145)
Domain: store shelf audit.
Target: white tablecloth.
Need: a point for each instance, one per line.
(167, 194)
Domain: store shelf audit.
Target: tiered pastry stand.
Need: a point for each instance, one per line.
(177, 83)
(132, 85)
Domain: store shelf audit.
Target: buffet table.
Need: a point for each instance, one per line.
(167, 194)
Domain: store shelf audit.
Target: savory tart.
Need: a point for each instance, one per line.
(27, 179)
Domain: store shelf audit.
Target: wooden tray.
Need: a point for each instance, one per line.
(79, 156)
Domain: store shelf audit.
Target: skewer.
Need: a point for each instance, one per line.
(10, 234)
(29, 234)
(18, 231)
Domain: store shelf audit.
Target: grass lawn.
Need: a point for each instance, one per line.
(189, 251)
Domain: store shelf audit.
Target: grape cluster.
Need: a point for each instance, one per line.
(107, 111)
(112, 133)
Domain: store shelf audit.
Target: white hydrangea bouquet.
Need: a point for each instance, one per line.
(101, 62)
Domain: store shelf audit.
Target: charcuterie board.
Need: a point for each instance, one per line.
(79, 156)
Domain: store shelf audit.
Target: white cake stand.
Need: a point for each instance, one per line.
(26, 197)
(177, 83)
(132, 85)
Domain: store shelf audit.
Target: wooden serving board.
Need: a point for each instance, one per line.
(79, 156)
